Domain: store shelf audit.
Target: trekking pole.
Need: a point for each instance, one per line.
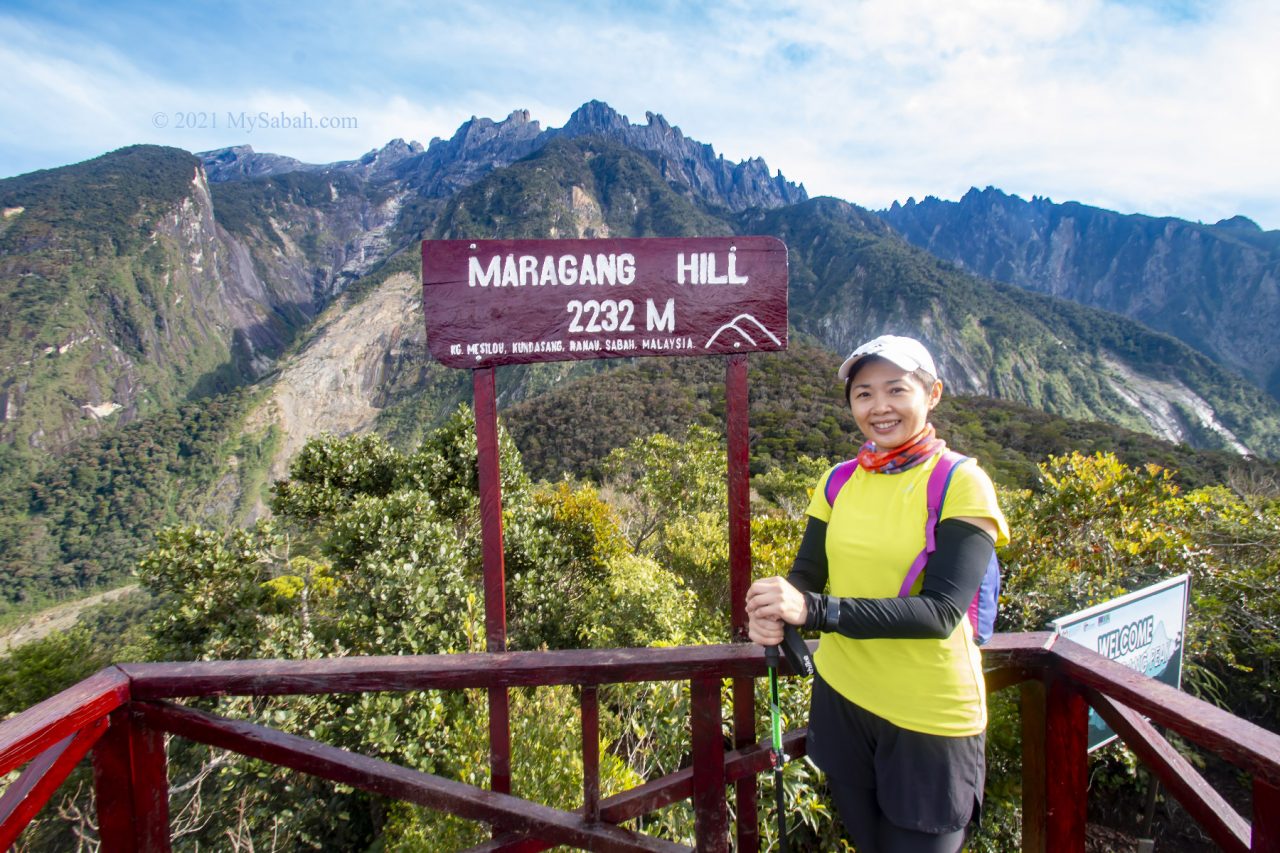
(776, 755)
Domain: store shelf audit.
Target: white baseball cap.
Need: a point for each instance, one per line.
(907, 353)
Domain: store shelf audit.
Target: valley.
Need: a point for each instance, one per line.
(216, 385)
(61, 617)
(293, 288)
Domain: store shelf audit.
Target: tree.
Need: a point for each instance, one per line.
(374, 551)
(790, 488)
(1099, 528)
(655, 480)
(36, 670)
(1096, 529)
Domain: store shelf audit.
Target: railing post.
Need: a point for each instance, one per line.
(744, 734)
(1265, 833)
(131, 786)
(591, 753)
(711, 812)
(1034, 803)
(1066, 758)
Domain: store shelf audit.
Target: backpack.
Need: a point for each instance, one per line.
(982, 610)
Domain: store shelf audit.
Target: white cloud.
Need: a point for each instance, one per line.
(1118, 104)
(1107, 104)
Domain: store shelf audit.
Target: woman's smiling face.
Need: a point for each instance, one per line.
(889, 404)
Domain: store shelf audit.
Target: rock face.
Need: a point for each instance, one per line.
(482, 145)
(683, 161)
(333, 383)
(142, 286)
(1215, 287)
(132, 288)
(241, 162)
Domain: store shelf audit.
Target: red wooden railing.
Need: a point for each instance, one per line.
(123, 713)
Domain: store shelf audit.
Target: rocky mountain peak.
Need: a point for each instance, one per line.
(656, 118)
(1239, 223)
(381, 164)
(481, 145)
(519, 117)
(685, 161)
(476, 133)
(396, 149)
(595, 117)
(988, 198)
(241, 162)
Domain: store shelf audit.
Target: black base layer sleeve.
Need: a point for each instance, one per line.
(809, 571)
(951, 580)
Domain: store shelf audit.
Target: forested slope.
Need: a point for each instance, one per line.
(328, 239)
(796, 410)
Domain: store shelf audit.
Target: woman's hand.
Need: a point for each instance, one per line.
(771, 603)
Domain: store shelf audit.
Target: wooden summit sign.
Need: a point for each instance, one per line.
(495, 302)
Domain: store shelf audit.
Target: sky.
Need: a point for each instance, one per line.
(1166, 108)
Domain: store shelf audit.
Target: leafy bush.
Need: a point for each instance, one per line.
(374, 551)
(1097, 529)
(377, 551)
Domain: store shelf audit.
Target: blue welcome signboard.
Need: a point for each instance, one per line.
(1143, 630)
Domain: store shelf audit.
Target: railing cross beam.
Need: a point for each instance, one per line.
(1228, 830)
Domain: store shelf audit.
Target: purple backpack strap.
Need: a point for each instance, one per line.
(939, 479)
(838, 477)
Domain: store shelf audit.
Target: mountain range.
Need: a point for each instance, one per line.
(147, 282)
(1215, 287)
(481, 145)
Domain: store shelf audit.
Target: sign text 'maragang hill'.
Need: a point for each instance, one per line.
(614, 268)
(491, 302)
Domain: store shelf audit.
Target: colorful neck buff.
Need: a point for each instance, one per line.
(917, 449)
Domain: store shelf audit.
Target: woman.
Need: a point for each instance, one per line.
(898, 714)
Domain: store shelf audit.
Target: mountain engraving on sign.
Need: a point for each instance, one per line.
(493, 302)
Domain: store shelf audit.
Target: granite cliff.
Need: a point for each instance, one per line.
(1215, 287)
(481, 145)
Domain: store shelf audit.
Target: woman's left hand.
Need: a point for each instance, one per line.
(771, 603)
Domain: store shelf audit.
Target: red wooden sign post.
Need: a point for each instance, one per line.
(495, 584)
(496, 302)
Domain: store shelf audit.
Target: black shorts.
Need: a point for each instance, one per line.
(923, 782)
